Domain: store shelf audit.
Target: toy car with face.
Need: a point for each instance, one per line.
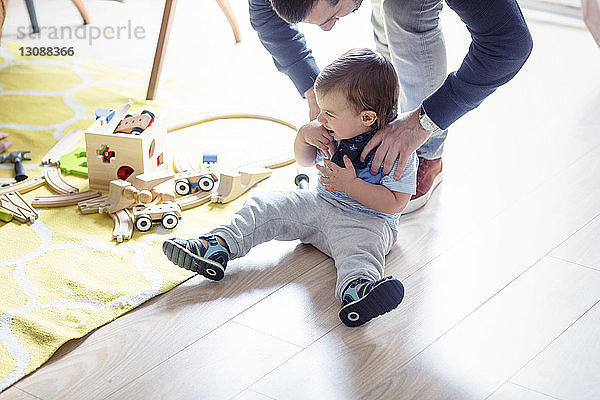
(187, 182)
(167, 213)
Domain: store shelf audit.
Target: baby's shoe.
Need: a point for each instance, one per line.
(364, 300)
(193, 255)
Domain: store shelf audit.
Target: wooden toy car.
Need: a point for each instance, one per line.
(192, 181)
(167, 213)
(135, 124)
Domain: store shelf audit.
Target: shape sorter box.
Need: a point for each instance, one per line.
(113, 156)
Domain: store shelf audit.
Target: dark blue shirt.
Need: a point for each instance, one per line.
(501, 43)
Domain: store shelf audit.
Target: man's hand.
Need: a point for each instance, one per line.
(336, 178)
(313, 107)
(4, 144)
(316, 135)
(396, 140)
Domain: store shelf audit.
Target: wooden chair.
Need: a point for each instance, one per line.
(163, 38)
(33, 18)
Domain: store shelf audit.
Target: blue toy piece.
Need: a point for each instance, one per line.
(101, 112)
(209, 157)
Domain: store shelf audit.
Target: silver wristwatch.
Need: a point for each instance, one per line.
(426, 122)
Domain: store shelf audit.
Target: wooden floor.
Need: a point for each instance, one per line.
(501, 268)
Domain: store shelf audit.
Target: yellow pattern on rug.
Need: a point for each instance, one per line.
(62, 276)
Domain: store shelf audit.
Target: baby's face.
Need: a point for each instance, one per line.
(338, 117)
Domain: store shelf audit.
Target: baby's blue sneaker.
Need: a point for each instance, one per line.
(364, 300)
(193, 255)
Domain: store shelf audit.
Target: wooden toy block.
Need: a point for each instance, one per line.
(232, 186)
(74, 163)
(122, 155)
(18, 207)
(150, 180)
(135, 124)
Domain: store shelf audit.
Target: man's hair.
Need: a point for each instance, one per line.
(367, 79)
(294, 11)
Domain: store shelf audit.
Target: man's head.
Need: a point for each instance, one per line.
(357, 92)
(323, 13)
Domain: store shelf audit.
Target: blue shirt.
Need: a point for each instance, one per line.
(406, 184)
(501, 43)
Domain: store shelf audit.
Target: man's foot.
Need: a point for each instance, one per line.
(364, 300)
(429, 175)
(206, 255)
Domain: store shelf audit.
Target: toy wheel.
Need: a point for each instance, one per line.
(143, 223)
(149, 113)
(169, 220)
(137, 130)
(206, 183)
(182, 187)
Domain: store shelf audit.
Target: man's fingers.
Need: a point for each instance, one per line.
(374, 142)
(4, 145)
(3, 135)
(402, 160)
(378, 158)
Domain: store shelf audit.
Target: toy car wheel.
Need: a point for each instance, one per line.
(137, 130)
(148, 112)
(143, 223)
(182, 187)
(206, 183)
(169, 220)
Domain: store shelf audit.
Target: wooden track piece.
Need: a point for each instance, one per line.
(18, 207)
(63, 146)
(116, 200)
(232, 186)
(24, 186)
(56, 182)
(93, 206)
(193, 200)
(64, 199)
(123, 225)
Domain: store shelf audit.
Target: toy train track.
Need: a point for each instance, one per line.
(64, 199)
(93, 206)
(24, 186)
(63, 146)
(18, 207)
(56, 182)
(193, 200)
(123, 225)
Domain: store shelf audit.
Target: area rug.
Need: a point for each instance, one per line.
(63, 276)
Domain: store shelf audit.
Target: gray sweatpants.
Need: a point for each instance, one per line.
(357, 242)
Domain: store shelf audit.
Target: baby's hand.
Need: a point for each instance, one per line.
(336, 178)
(316, 135)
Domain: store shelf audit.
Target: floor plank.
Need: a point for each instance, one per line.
(218, 366)
(93, 367)
(469, 362)
(582, 247)
(14, 393)
(570, 367)
(510, 391)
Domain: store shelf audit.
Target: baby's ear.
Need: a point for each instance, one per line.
(368, 117)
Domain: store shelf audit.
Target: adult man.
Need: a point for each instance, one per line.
(408, 33)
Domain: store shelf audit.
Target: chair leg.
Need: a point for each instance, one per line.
(32, 17)
(82, 11)
(228, 11)
(161, 48)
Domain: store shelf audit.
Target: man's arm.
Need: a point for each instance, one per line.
(286, 44)
(501, 43)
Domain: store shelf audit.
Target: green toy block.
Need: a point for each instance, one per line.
(5, 215)
(74, 163)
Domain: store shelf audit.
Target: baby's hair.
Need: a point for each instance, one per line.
(367, 79)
